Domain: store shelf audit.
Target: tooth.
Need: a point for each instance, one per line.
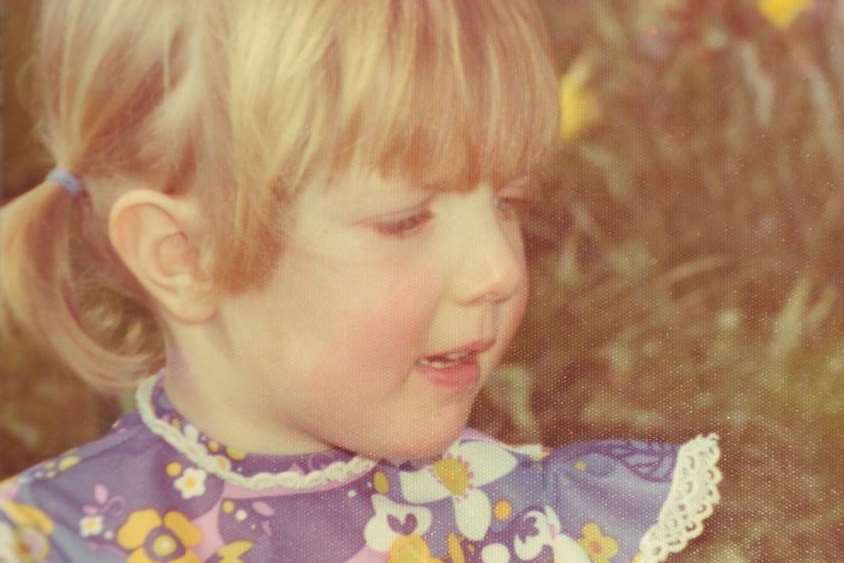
(436, 363)
(457, 355)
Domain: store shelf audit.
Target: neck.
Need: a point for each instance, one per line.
(215, 407)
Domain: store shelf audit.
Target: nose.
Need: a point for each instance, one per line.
(491, 263)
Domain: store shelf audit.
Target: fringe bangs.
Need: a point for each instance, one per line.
(441, 94)
(463, 94)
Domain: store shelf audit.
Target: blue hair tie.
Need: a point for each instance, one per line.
(65, 179)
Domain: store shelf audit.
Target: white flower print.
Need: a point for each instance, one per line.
(495, 553)
(378, 533)
(223, 462)
(90, 526)
(191, 483)
(568, 550)
(7, 540)
(547, 525)
(191, 433)
(458, 474)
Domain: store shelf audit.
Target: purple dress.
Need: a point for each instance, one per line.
(157, 489)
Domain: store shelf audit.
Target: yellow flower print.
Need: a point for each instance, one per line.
(579, 107)
(30, 541)
(637, 558)
(782, 13)
(235, 454)
(381, 482)
(152, 538)
(600, 548)
(411, 549)
(230, 553)
(67, 462)
(27, 515)
(55, 466)
(503, 509)
(455, 548)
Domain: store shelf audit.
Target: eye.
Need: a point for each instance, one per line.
(406, 226)
(516, 198)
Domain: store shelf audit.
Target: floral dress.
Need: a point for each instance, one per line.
(155, 488)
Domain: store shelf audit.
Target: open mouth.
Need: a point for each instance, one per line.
(444, 361)
(457, 372)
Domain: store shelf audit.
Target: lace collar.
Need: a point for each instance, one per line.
(252, 471)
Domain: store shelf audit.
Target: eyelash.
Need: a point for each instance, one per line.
(405, 226)
(408, 226)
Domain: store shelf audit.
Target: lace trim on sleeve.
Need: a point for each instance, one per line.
(692, 498)
(336, 472)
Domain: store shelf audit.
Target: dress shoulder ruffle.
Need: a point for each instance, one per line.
(633, 501)
(692, 499)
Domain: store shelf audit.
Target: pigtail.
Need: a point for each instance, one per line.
(96, 81)
(41, 291)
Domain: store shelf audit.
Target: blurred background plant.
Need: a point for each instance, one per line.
(686, 271)
(687, 267)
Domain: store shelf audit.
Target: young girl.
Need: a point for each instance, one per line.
(302, 218)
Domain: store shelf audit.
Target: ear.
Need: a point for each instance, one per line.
(156, 237)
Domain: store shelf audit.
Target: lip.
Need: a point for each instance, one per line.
(459, 378)
(465, 375)
(476, 347)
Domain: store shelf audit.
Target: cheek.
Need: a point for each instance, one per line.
(381, 329)
(521, 301)
(510, 321)
(396, 315)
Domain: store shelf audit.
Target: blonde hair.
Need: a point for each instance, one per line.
(248, 102)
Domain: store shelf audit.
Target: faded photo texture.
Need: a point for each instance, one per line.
(687, 264)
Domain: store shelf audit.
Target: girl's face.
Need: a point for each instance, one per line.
(375, 276)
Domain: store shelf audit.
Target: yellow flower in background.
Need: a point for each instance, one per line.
(600, 548)
(782, 13)
(578, 104)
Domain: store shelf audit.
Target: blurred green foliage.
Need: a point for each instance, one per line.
(686, 264)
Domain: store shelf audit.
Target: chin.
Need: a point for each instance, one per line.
(425, 445)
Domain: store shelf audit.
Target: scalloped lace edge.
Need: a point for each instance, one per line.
(692, 499)
(339, 471)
